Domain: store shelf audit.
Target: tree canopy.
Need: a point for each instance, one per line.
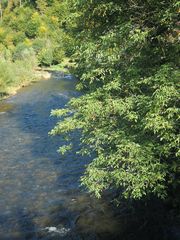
(126, 55)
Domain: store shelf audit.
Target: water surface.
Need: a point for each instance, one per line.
(40, 197)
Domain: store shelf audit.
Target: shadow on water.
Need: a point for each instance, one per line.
(40, 197)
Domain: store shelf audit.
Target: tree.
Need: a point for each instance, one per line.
(41, 5)
(126, 58)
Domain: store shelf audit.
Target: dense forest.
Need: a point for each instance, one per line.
(125, 55)
(30, 36)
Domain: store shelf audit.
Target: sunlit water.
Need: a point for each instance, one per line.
(40, 197)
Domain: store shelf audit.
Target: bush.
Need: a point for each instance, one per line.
(39, 44)
(45, 57)
(58, 55)
(6, 74)
(15, 74)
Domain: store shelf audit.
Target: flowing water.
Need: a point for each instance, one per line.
(40, 197)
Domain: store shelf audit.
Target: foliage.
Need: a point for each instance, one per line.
(30, 23)
(46, 56)
(22, 52)
(126, 56)
(17, 73)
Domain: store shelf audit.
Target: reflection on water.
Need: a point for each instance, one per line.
(40, 196)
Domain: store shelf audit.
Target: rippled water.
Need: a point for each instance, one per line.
(40, 197)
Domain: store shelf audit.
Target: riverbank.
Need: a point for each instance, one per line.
(38, 74)
(14, 76)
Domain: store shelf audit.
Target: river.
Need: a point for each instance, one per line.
(40, 194)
